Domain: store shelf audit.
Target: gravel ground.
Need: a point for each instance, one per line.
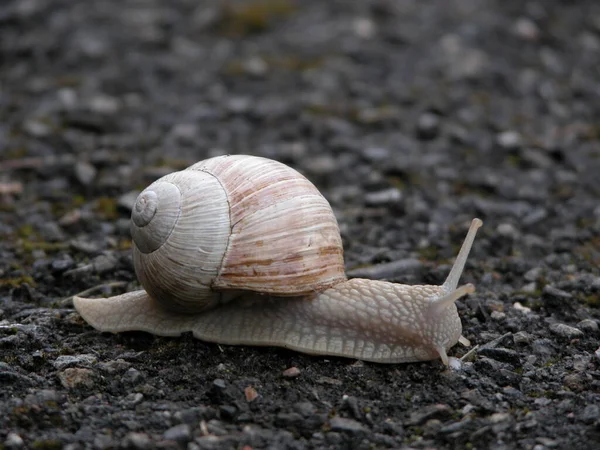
(412, 117)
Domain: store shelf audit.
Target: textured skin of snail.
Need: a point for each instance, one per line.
(363, 319)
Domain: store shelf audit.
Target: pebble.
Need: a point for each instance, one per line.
(428, 125)
(347, 425)
(498, 315)
(138, 441)
(509, 140)
(106, 262)
(507, 230)
(307, 409)
(437, 411)
(454, 364)
(577, 382)
(533, 274)
(391, 196)
(566, 331)
(376, 154)
(85, 172)
(114, 366)
(543, 347)
(37, 128)
(526, 29)
(292, 372)
(522, 338)
(104, 104)
(13, 441)
(588, 325)
(74, 378)
(133, 376)
(555, 293)
(62, 264)
(179, 433)
(501, 354)
(65, 361)
(221, 392)
(250, 394)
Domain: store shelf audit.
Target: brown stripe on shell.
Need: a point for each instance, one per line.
(284, 237)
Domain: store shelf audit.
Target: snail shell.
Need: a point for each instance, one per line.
(234, 223)
(245, 250)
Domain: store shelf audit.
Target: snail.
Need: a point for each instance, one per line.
(244, 250)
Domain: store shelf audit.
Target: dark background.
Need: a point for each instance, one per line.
(412, 117)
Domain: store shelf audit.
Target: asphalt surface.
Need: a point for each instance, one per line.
(411, 117)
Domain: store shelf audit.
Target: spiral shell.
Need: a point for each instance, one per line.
(234, 223)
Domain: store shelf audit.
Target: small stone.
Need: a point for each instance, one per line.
(347, 425)
(135, 398)
(256, 66)
(291, 372)
(364, 27)
(519, 307)
(588, 325)
(438, 411)
(322, 165)
(85, 172)
(250, 394)
(428, 126)
(114, 366)
(565, 331)
(499, 417)
(501, 354)
(74, 378)
(13, 440)
(376, 154)
(133, 376)
(105, 262)
(522, 338)
(555, 293)
(185, 132)
(137, 441)
(509, 140)
(307, 409)
(529, 287)
(498, 315)
(432, 427)
(239, 105)
(221, 392)
(590, 414)
(329, 380)
(577, 382)
(37, 128)
(179, 433)
(542, 347)
(526, 29)
(63, 264)
(455, 364)
(44, 396)
(385, 197)
(533, 274)
(351, 403)
(104, 104)
(64, 361)
(103, 442)
(507, 230)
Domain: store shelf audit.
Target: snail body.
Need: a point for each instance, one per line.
(244, 250)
